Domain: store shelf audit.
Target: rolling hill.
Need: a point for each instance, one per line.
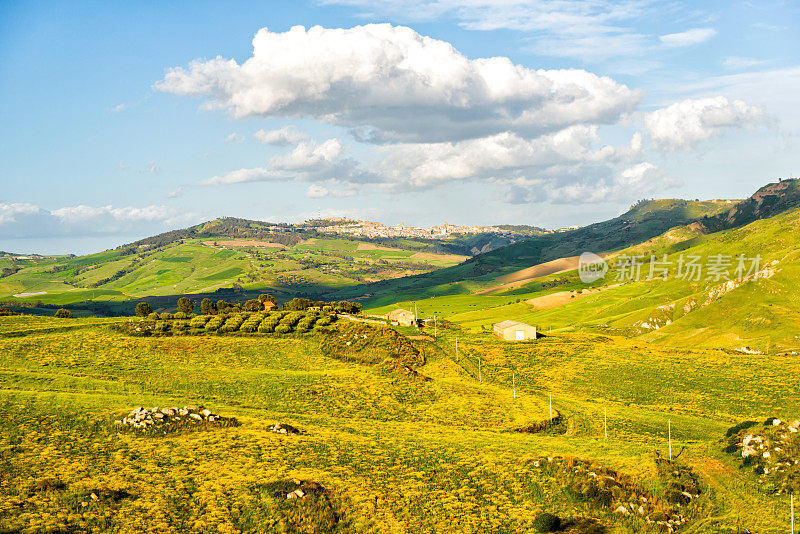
(757, 313)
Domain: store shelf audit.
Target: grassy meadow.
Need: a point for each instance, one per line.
(207, 265)
(395, 453)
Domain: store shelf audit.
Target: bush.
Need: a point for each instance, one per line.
(143, 309)
(214, 324)
(323, 321)
(291, 319)
(165, 316)
(283, 329)
(546, 522)
(252, 305)
(152, 316)
(741, 426)
(207, 306)
(64, 314)
(185, 305)
(199, 321)
(266, 327)
(232, 324)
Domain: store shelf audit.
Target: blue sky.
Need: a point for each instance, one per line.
(118, 122)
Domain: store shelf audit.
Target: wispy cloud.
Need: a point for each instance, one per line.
(687, 38)
(742, 63)
(288, 135)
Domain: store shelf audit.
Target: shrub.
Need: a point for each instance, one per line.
(207, 306)
(291, 319)
(199, 321)
(214, 324)
(323, 321)
(165, 316)
(252, 322)
(143, 309)
(180, 315)
(64, 314)
(266, 327)
(546, 522)
(283, 329)
(232, 324)
(185, 305)
(152, 316)
(252, 305)
(741, 426)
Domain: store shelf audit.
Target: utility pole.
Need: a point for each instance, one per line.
(434, 326)
(605, 421)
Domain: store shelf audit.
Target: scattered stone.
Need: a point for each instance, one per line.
(283, 428)
(141, 418)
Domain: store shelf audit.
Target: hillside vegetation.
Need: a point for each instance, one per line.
(379, 450)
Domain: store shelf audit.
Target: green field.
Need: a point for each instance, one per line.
(395, 454)
(207, 265)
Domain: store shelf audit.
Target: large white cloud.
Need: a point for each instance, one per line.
(682, 125)
(307, 162)
(390, 84)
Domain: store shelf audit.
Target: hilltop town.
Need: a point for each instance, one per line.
(371, 229)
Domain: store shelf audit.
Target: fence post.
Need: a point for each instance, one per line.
(669, 434)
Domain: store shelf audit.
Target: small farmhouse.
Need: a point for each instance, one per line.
(401, 317)
(269, 305)
(514, 331)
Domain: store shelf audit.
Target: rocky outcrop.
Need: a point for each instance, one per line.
(167, 418)
(772, 450)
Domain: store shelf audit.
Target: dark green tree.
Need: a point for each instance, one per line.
(64, 314)
(185, 305)
(207, 306)
(221, 305)
(263, 297)
(252, 305)
(143, 309)
(297, 304)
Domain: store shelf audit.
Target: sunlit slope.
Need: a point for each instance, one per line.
(396, 454)
(643, 221)
(203, 266)
(760, 312)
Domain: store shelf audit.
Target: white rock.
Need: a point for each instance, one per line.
(622, 510)
(196, 416)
